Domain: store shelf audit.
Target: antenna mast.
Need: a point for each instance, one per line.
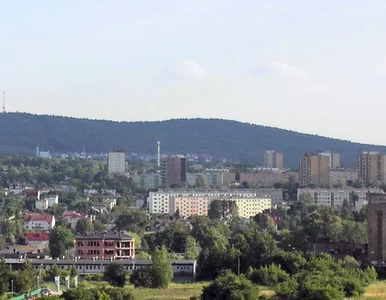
(4, 111)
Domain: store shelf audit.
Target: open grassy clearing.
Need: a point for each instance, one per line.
(376, 291)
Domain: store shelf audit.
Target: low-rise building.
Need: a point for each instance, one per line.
(72, 217)
(39, 223)
(52, 200)
(41, 204)
(38, 239)
(107, 245)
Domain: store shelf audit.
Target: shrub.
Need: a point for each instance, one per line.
(268, 275)
(142, 278)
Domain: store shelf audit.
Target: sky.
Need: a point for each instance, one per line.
(311, 66)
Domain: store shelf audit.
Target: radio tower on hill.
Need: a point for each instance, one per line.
(4, 111)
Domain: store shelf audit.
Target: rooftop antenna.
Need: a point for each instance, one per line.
(159, 154)
(4, 111)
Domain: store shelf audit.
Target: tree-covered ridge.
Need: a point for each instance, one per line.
(22, 132)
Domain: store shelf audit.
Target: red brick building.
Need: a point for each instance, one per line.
(115, 245)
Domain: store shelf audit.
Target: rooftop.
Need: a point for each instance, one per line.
(37, 236)
(107, 235)
(41, 218)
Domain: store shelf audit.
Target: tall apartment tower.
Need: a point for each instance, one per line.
(372, 168)
(116, 162)
(376, 218)
(314, 169)
(173, 171)
(333, 157)
(273, 159)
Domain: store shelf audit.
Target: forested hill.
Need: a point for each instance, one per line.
(21, 133)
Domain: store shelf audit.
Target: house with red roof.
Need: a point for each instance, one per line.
(39, 223)
(38, 239)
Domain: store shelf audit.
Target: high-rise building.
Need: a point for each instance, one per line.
(273, 159)
(334, 159)
(372, 168)
(173, 171)
(314, 169)
(376, 220)
(116, 162)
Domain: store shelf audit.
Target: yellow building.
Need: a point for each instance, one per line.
(314, 169)
(250, 207)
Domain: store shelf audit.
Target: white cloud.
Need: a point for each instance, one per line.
(288, 69)
(190, 69)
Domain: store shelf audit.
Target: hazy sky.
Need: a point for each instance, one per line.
(311, 66)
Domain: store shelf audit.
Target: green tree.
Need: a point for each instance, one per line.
(142, 278)
(201, 182)
(99, 226)
(115, 274)
(162, 268)
(83, 225)
(78, 293)
(265, 222)
(5, 275)
(61, 239)
(27, 277)
(222, 210)
(268, 275)
(192, 248)
(230, 287)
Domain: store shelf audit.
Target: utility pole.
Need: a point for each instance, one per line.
(12, 286)
(238, 266)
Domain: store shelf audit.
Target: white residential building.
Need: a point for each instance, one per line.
(116, 163)
(39, 223)
(250, 207)
(41, 204)
(160, 202)
(336, 197)
(52, 200)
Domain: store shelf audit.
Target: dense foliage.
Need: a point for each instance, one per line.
(21, 133)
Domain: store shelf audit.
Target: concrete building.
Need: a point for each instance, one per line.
(108, 245)
(334, 159)
(190, 206)
(39, 223)
(340, 177)
(117, 162)
(163, 201)
(376, 219)
(38, 239)
(250, 207)
(41, 204)
(148, 181)
(267, 178)
(314, 169)
(273, 159)
(372, 168)
(173, 172)
(52, 200)
(72, 217)
(335, 198)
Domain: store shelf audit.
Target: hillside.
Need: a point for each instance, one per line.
(21, 133)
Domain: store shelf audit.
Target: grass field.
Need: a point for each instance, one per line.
(179, 291)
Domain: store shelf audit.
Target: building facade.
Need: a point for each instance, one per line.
(107, 245)
(376, 219)
(189, 206)
(198, 201)
(340, 177)
(273, 159)
(39, 223)
(117, 162)
(334, 159)
(250, 207)
(148, 181)
(372, 168)
(335, 198)
(314, 169)
(173, 172)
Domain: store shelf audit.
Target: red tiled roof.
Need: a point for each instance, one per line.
(42, 218)
(37, 236)
(73, 214)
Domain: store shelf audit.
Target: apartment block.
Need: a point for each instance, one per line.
(267, 178)
(336, 197)
(342, 176)
(334, 159)
(167, 201)
(116, 162)
(190, 206)
(372, 168)
(147, 181)
(250, 207)
(273, 159)
(173, 172)
(107, 245)
(314, 169)
(376, 219)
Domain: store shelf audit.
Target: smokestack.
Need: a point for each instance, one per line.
(159, 154)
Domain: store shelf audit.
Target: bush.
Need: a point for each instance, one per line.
(353, 287)
(268, 275)
(115, 274)
(93, 277)
(228, 286)
(142, 278)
